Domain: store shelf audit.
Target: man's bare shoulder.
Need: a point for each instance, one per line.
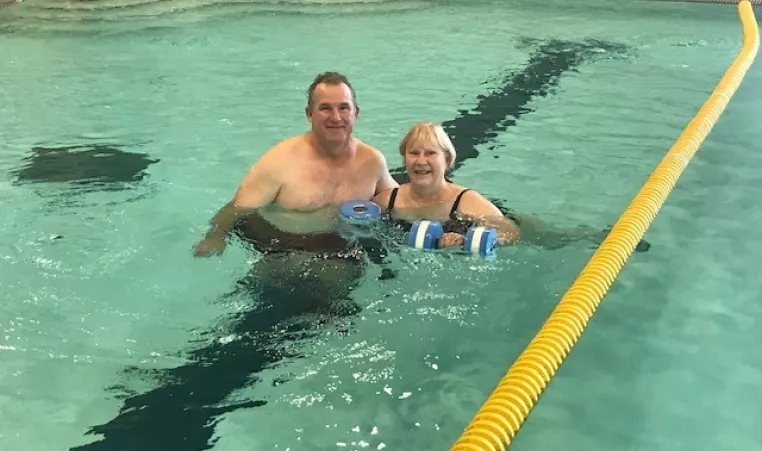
(287, 145)
(281, 150)
(374, 161)
(368, 153)
(364, 148)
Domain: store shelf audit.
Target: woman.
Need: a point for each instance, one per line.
(428, 154)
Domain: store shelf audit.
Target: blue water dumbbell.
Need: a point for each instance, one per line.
(358, 218)
(478, 241)
(481, 241)
(425, 235)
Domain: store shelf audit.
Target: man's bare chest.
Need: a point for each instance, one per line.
(307, 190)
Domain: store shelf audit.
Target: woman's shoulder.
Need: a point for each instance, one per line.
(458, 190)
(473, 203)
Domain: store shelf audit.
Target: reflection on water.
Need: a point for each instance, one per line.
(131, 15)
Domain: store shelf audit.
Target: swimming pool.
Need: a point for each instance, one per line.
(97, 278)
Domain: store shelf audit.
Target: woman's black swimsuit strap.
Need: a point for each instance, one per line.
(453, 224)
(453, 210)
(392, 198)
(456, 204)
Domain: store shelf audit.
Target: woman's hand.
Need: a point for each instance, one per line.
(451, 239)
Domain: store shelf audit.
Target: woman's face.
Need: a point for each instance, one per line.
(425, 164)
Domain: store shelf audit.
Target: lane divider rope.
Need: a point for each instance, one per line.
(498, 421)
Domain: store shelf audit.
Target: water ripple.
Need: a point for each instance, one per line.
(128, 15)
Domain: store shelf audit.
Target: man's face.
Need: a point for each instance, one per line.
(333, 112)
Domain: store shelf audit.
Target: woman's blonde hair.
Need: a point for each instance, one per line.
(428, 134)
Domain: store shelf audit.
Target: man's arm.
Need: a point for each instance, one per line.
(258, 188)
(382, 198)
(385, 180)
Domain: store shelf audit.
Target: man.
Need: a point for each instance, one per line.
(292, 192)
(286, 204)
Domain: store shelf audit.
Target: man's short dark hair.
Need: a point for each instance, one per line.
(329, 78)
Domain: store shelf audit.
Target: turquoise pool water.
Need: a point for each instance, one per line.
(98, 278)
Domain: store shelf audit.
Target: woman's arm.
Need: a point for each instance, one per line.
(474, 206)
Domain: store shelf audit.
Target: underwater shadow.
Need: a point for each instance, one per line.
(509, 100)
(105, 166)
